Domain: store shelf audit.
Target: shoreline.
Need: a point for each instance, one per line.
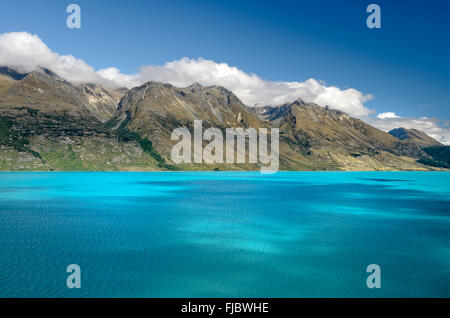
(211, 171)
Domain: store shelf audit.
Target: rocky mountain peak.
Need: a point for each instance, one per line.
(196, 86)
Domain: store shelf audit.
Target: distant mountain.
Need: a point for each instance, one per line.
(412, 143)
(414, 136)
(48, 123)
(313, 125)
(331, 138)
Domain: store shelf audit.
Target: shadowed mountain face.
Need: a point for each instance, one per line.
(48, 123)
(439, 156)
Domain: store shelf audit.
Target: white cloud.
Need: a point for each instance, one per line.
(253, 90)
(113, 75)
(387, 115)
(428, 125)
(28, 52)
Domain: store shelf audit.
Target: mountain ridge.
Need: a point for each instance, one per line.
(50, 114)
(414, 136)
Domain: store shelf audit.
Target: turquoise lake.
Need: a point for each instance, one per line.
(225, 234)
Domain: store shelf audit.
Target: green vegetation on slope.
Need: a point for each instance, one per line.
(126, 136)
(440, 154)
(10, 138)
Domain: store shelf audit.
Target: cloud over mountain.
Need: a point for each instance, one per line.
(28, 52)
(429, 126)
(252, 90)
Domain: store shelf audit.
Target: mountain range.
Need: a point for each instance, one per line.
(49, 123)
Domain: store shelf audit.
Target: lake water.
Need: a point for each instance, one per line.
(225, 234)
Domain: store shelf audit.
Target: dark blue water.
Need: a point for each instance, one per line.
(292, 234)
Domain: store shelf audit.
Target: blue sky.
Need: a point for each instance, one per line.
(405, 65)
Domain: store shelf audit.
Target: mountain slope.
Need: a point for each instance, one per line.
(439, 156)
(332, 139)
(414, 136)
(47, 123)
(311, 124)
(154, 110)
(40, 88)
(312, 137)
